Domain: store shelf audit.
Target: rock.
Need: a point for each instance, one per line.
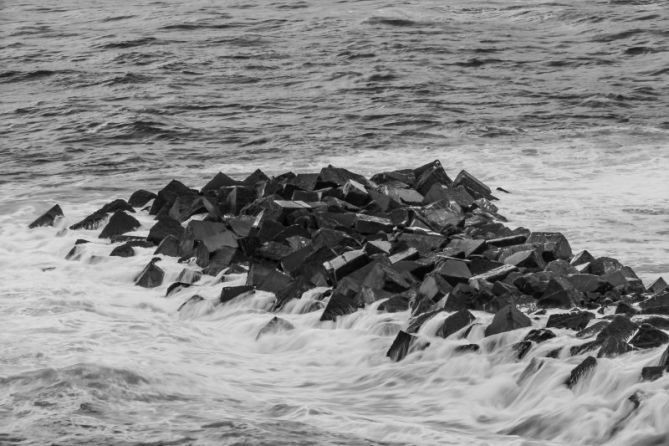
(585, 282)
(604, 265)
(539, 335)
(164, 227)
(454, 271)
(554, 244)
(395, 304)
(119, 223)
(592, 330)
(403, 344)
(664, 359)
(658, 322)
(620, 327)
(368, 224)
(48, 218)
(230, 292)
(509, 240)
(434, 287)
(176, 287)
(140, 197)
(275, 325)
(346, 263)
(335, 176)
(651, 373)
(255, 177)
(559, 293)
(185, 206)
(467, 348)
(581, 258)
(190, 302)
(612, 347)
(124, 250)
(220, 180)
(623, 308)
(239, 197)
(507, 319)
(151, 276)
(560, 267)
(578, 373)
(649, 337)
(455, 322)
(169, 246)
(429, 175)
(167, 195)
(474, 187)
(528, 259)
(522, 348)
(657, 301)
(339, 305)
(658, 286)
(572, 321)
(494, 274)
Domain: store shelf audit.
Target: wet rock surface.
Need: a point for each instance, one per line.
(411, 241)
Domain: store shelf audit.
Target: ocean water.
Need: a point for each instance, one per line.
(564, 104)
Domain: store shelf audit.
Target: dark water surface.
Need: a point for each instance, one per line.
(566, 104)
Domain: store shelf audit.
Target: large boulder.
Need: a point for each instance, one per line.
(151, 276)
(164, 227)
(649, 337)
(455, 322)
(577, 320)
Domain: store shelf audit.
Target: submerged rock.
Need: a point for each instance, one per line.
(151, 276)
(581, 370)
(275, 325)
(403, 344)
(48, 218)
(118, 224)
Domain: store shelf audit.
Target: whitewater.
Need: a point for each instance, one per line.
(564, 105)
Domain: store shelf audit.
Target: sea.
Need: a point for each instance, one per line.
(563, 104)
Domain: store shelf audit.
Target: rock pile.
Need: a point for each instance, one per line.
(414, 239)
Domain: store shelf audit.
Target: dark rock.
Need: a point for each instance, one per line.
(604, 265)
(169, 246)
(230, 292)
(560, 267)
(275, 325)
(185, 206)
(620, 327)
(572, 321)
(339, 305)
(495, 274)
(581, 258)
(220, 180)
(585, 282)
(48, 218)
(554, 244)
(623, 308)
(151, 276)
(467, 348)
(395, 304)
(255, 177)
(522, 348)
(528, 259)
(651, 373)
(346, 263)
(580, 371)
(474, 187)
(403, 344)
(335, 176)
(124, 250)
(190, 302)
(355, 193)
(429, 175)
(657, 301)
(425, 244)
(188, 275)
(368, 224)
(658, 322)
(539, 335)
(176, 287)
(167, 195)
(140, 197)
(592, 330)
(507, 319)
(455, 322)
(164, 227)
(434, 287)
(658, 286)
(509, 240)
(664, 359)
(119, 223)
(239, 197)
(419, 318)
(649, 337)
(454, 271)
(612, 347)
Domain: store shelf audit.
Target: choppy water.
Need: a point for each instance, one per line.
(565, 104)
